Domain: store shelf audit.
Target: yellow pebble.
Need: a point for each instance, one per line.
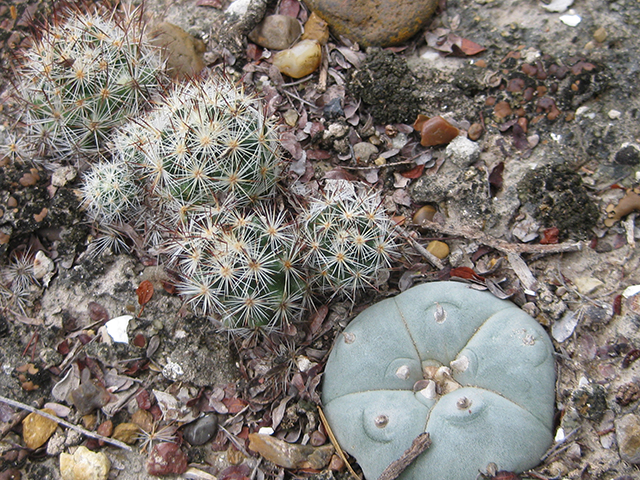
(438, 249)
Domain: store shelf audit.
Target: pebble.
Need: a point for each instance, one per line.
(462, 152)
(289, 455)
(166, 459)
(316, 29)
(276, 32)
(333, 109)
(372, 22)
(434, 131)
(423, 214)
(126, 432)
(363, 151)
(11, 474)
(628, 436)
(502, 110)
(202, 430)
(184, 52)
(475, 131)
(42, 266)
(438, 249)
(300, 60)
(63, 175)
(84, 465)
(614, 114)
(600, 35)
(36, 429)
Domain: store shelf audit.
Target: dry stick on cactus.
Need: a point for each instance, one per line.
(85, 76)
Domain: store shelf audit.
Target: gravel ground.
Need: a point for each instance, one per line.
(584, 150)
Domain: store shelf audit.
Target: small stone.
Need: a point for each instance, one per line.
(63, 175)
(105, 428)
(502, 110)
(586, 285)
(475, 131)
(300, 60)
(143, 419)
(628, 435)
(434, 131)
(37, 429)
(289, 455)
(183, 52)
(202, 430)
(166, 459)
(126, 432)
(600, 35)
(84, 465)
(42, 265)
(11, 474)
(290, 117)
(590, 401)
(614, 114)
(316, 29)
(276, 32)
(438, 248)
(424, 214)
(30, 178)
(462, 152)
(38, 217)
(363, 151)
(333, 109)
(374, 22)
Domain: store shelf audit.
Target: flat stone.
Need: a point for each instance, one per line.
(37, 429)
(84, 465)
(166, 459)
(370, 23)
(276, 32)
(363, 151)
(183, 52)
(628, 435)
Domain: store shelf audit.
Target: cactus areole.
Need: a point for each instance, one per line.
(475, 372)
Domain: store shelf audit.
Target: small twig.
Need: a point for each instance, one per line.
(430, 257)
(81, 430)
(629, 226)
(17, 417)
(501, 245)
(419, 445)
(335, 443)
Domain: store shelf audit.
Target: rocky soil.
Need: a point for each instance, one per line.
(535, 203)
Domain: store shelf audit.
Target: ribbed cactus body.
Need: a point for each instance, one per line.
(203, 143)
(349, 240)
(244, 267)
(84, 77)
(110, 192)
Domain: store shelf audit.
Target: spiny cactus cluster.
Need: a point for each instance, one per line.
(207, 162)
(350, 240)
(85, 76)
(195, 178)
(246, 266)
(203, 142)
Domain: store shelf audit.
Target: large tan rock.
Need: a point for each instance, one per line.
(379, 23)
(37, 429)
(84, 465)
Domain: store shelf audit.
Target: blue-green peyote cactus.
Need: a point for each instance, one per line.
(475, 372)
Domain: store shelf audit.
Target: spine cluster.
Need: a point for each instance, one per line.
(195, 176)
(84, 77)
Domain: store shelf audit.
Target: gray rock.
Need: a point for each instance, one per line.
(462, 152)
(364, 151)
(276, 32)
(201, 430)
